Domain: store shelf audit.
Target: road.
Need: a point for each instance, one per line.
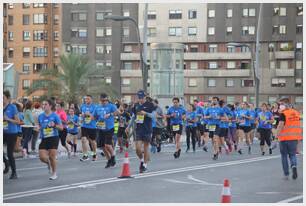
(193, 178)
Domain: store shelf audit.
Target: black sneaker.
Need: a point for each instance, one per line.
(14, 176)
(215, 157)
(294, 172)
(249, 150)
(240, 152)
(141, 168)
(113, 161)
(263, 153)
(7, 168)
(84, 158)
(175, 155)
(102, 154)
(270, 151)
(158, 148)
(178, 153)
(205, 149)
(108, 164)
(94, 157)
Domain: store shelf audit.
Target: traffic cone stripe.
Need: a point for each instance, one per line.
(126, 161)
(125, 167)
(226, 191)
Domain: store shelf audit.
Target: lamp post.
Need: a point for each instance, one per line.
(256, 79)
(142, 64)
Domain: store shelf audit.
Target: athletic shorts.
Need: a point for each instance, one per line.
(176, 126)
(63, 135)
(246, 129)
(156, 131)
(105, 137)
(205, 126)
(144, 137)
(253, 126)
(89, 133)
(223, 132)
(121, 132)
(216, 132)
(49, 143)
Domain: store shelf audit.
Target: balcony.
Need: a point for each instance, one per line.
(284, 55)
(284, 72)
(218, 73)
(131, 73)
(216, 56)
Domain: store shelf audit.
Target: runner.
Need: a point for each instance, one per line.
(244, 128)
(224, 124)
(232, 135)
(191, 126)
(10, 131)
(27, 129)
(142, 115)
(72, 129)
(124, 118)
(36, 112)
(49, 124)
(104, 115)
(199, 138)
(176, 113)
(88, 128)
(159, 125)
(265, 119)
(204, 128)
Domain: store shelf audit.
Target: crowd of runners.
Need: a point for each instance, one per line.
(109, 125)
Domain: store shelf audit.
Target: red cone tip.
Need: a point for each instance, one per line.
(226, 183)
(126, 154)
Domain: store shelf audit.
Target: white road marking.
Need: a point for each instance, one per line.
(138, 176)
(277, 193)
(203, 182)
(177, 181)
(291, 199)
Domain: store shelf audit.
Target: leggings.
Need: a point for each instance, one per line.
(27, 135)
(191, 131)
(265, 135)
(63, 136)
(10, 141)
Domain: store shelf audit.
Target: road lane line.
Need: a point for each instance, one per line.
(137, 176)
(291, 199)
(203, 182)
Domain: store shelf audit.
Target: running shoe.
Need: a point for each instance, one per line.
(215, 157)
(205, 148)
(175, 155)
(53, 177)
(7, 168)
(14, 176)
(249, 150)
(142, 168)
(270, 151)
(108, 164)
(240, 151)
(113, 161)
(94, 158)
(294, 172)
(235, 147)
(102, 154)
(84, 158)
(263, 153)
(158, 148)
(178, 153)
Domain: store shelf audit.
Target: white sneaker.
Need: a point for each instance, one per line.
(53, 177)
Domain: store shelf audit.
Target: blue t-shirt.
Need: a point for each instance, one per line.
(245, 121)
(21, 118)
(204, 120)
(215, 113)
(225, 112)
(232, 117)
(179, 112)
(44, 122)
(100, 111)
(263, 117)
(71, 121)
(8, 127)
(199, 114)
(191, 116)
(87, 121)
(253, 115)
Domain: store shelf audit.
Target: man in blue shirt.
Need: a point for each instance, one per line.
(104, 116)
(142, 115)
(88, 128)
(244, 127)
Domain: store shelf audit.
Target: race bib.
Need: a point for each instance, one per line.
(48, 132)
(87, 120)
(101, 125)
(5, 125)
(176, 127)
(139, 118)
(70, 126)
(212, 128)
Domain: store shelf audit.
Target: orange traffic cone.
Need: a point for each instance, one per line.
(226, 192)
(126, 167)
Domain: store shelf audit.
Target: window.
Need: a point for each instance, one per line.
(212, 48)
(193, 65)
(275, 29)
(79, 49)
(299, 10)
(245, 30)
(108, 80)
(229, 30)
(39, 5)
(282, 29)
(212, 65)
(175, 14)
(245, 12)
(126, 13)
(78, 16)
(126, 82)
(10, 20)
(108, 31)
(298, 64)
(245, 49)
(299, 29)
(282, 12)
(25, 19)
(99, 32)
(251, 30)
(55, 52)
(55, 5)
(10, 6)
(40, 35)
(229, 13)
(26, 5)
(126, 31)
(192, 82)
(175, 31)
(55, 19)
(271, 47)
(276, 11)
(230, 99)
(26, 68)
(40, 52)
(192, 31)
(252, 12)
(192, 98)
(99, 65)
(272, 64)
(151, 15)
(40, 19)
(192, 14)
(298, 82)
(127, 66)
(278, 82)
(11, 53)
(10, 36)
(284, 46)
(26, 36)
(211, 30)
(299, 100)
(25, 84)
(99, 49)
(82, 33)
(82, 16)
(26, 51)
(193, 48)
(152, 31)
(127, 48)
(247, 83)
(245, 65)
(101, 14)
(56, 35)
(299, 46)
(108, 64)
(39, 67)
(231, 49)
(211, 82)
(108, 49)
(229, 83)
(272, 100)
(211, 13)
(231, 65)
(284, 64)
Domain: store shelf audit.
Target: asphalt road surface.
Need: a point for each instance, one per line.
(193, 178)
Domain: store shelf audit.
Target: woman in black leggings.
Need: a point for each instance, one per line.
(191, 126)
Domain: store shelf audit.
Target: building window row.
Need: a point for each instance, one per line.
(79, 32)
(101, 14)
(103, 49)
(176, 31)
(103, 31)
(79, 16)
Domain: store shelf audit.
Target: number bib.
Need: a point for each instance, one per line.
(212, 128)
(48, 132)
(70, 126)
(5, 125)
(176, 127)
(101, 125)
(139, 118)
(87, 120)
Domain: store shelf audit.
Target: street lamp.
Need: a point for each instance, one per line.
(256, 79)
(142, 64)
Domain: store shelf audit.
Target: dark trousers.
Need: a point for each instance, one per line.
(63, 136)
(34, 140)
(288, 148)
(265, 136)
(191, 131)
(10, 141)
(27, 133)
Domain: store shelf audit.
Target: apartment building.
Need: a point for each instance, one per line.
(31, 40)
(212, 67)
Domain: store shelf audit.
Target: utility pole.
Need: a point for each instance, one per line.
(144, 47)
